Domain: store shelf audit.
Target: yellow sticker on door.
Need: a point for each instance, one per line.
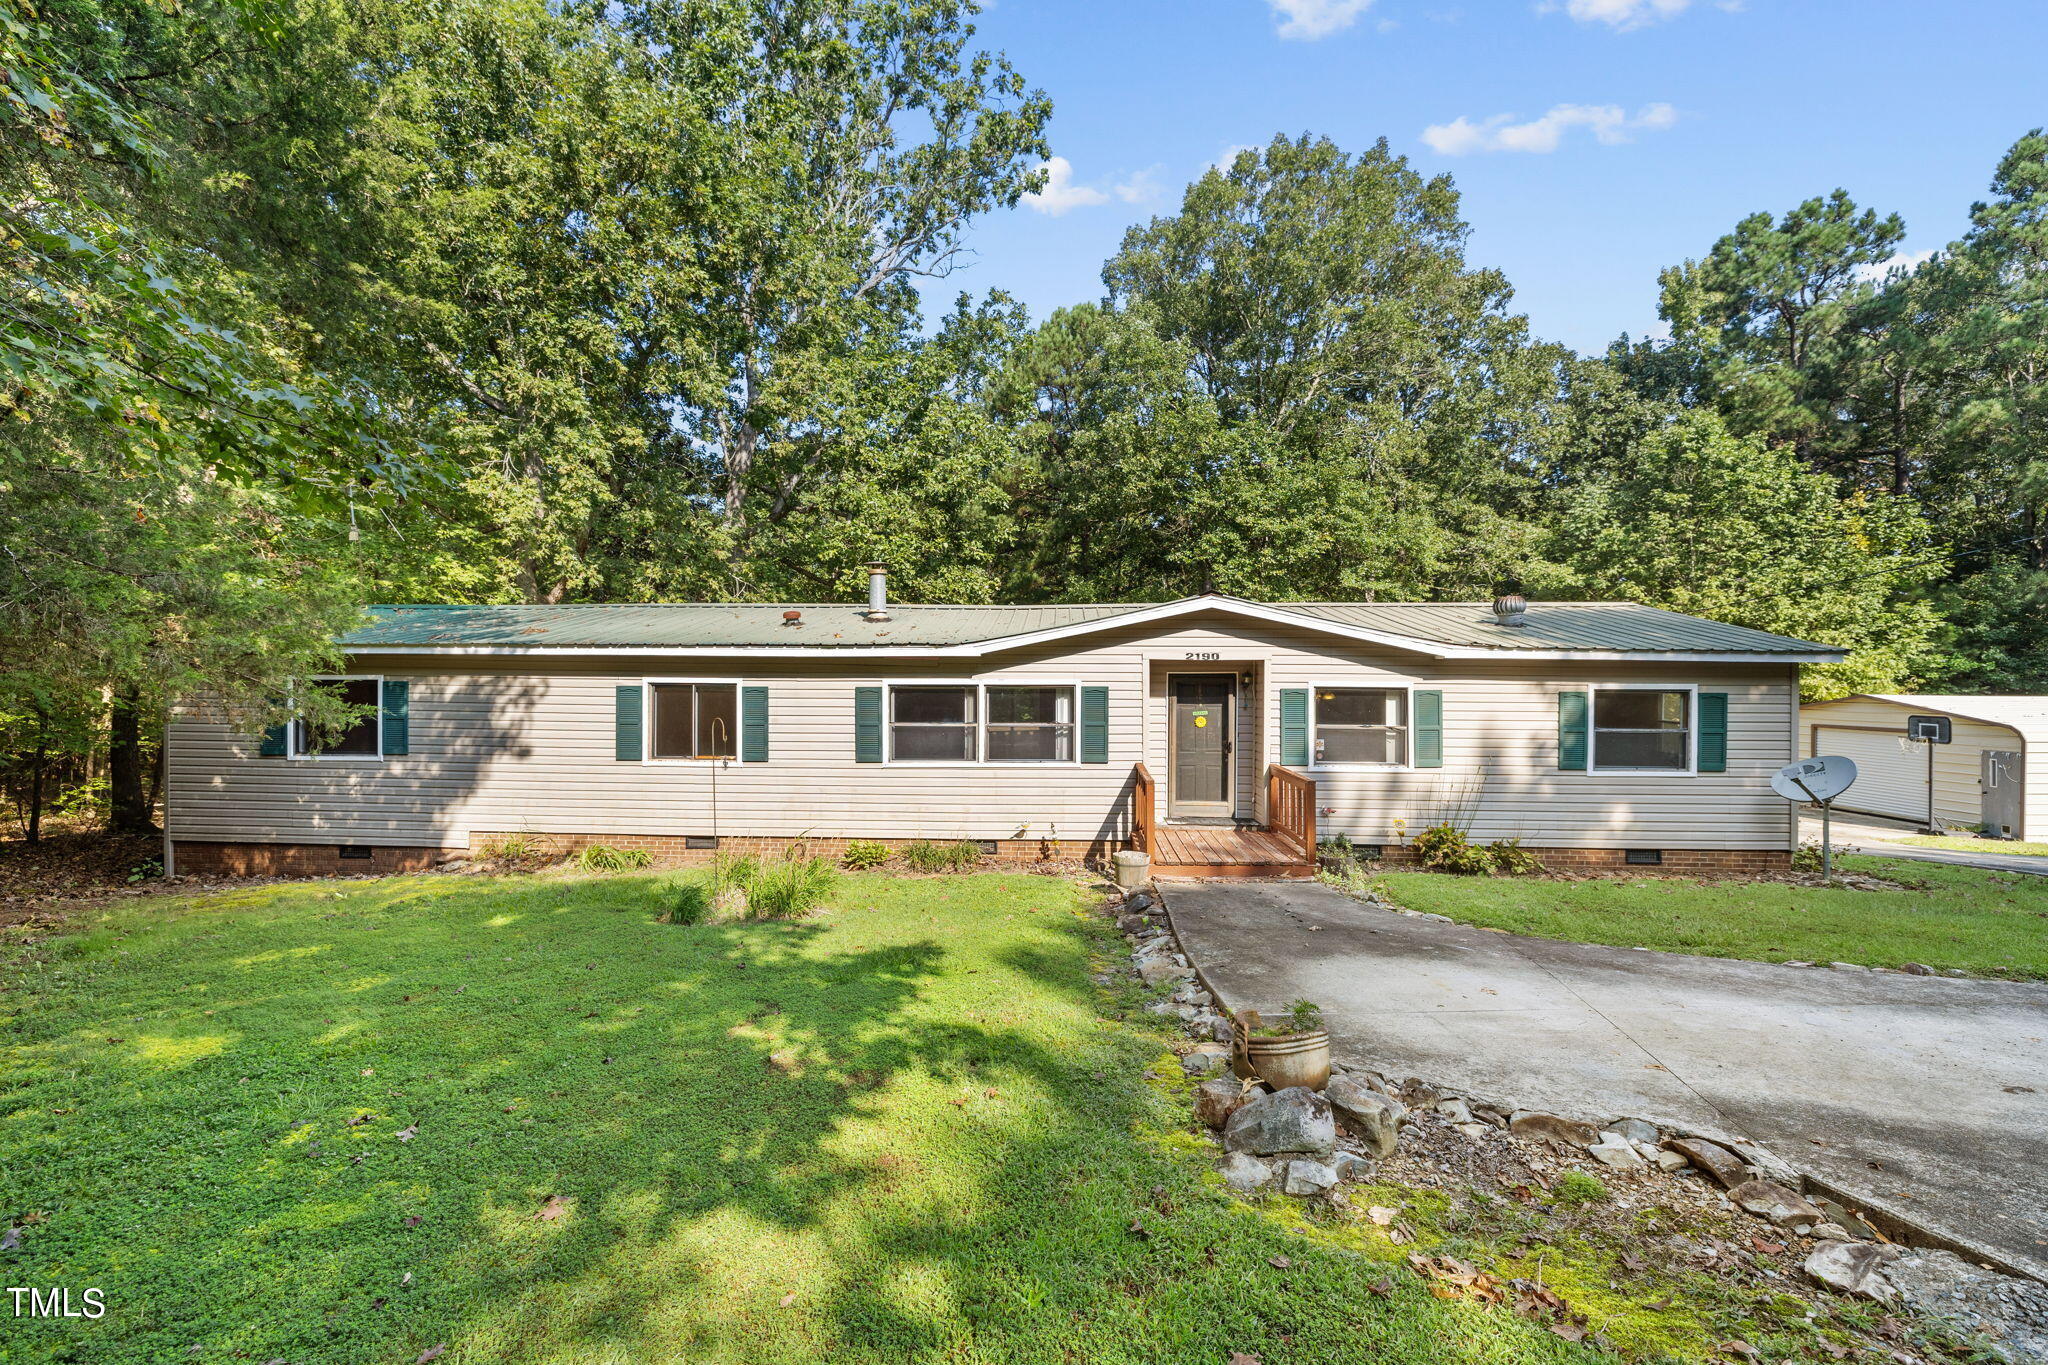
(1201, 719)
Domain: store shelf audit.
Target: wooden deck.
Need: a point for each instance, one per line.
(1215, 851)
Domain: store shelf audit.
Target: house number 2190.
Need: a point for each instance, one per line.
(1195, 654)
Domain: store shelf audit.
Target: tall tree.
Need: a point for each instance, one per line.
(1309, 379)
(1699, 520)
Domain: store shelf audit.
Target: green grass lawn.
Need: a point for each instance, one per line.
(352, 1121)
(1946, 917)
(1967, 844)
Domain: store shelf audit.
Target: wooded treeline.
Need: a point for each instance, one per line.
(311, 304)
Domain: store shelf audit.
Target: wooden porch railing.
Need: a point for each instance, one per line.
(1142, 816)
(1291, 808)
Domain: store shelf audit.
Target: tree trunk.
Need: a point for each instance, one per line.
(35, 794)
(129, 797)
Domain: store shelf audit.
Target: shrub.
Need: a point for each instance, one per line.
(862, 854)
(926, 856)
(786, 887)
(514, 850)
(1511, 859)
(734, 869)
(1338, 854)
(1574, 1189)
(691, 905)
(1445, 848)
(605, 858)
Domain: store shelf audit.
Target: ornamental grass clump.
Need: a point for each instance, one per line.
(789, 886)
(605, 858)
(926, 856)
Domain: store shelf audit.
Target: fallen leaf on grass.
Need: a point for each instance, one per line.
(431, 1353)
(788, 1299)
(413, 1221)
(1381, 1288)
(553, 1209)
(407, 1134)
(1242, 1358)
(1761, 1245)
(1278, 1262)
(1381, 1214)
(1570, 1331)
(10, 1239)
(989, 1093)
(1138, 1229)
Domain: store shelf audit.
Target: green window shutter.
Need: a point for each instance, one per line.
(1294, 727)
(1095, 725)
(397, 701)
(1713, 732)
(867, 725)
(273, 745)
(1571, 731)
(753, 725)
(626, 730)
(1429, 729)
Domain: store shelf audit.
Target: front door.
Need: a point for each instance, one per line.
(1202, 721)
(2004, 792)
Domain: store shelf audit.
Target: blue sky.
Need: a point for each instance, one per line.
(1600, 139)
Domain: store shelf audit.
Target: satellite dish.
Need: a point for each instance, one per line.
(1815, 779)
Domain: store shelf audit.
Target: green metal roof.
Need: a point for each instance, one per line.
(1600, 627)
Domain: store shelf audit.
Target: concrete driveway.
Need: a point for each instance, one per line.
(1872, 835)
(1924, 1097)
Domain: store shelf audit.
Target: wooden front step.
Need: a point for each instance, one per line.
(1212, 851)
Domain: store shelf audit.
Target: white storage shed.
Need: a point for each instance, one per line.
(1978, 779)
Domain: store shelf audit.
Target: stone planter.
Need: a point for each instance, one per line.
(1133, 869)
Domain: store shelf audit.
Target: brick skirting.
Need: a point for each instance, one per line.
(1676, 862)
(197, 858)
(671, 847)
(206, 858)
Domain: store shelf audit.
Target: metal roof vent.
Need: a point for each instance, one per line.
(1510, 608)
(878, 591)
(792, 618)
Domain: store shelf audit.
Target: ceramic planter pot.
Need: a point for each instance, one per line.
(1280, 1060)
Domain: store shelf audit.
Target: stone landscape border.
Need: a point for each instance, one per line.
(1308, 1144)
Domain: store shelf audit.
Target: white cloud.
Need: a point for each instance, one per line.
(1228, 157)
(1905, 262)
(1618, 14)
(1610, 124)
(1061, 193)
(1141, 187)
(1313, 19)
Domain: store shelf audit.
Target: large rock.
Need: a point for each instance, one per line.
(1636, 1130)
(1244, 1172)
(1769, 1199)
(1374, 1119)
(1854, 1268)
(1205, 1060)
(1615, 1150)
(1216, 1100)
(1307, 1178)
(1550, 1128)
(1295, 1120)
(1717, 1161)
(1351, 1166)
(1160, 969)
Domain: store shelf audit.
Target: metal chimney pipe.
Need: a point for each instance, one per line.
(878, 591)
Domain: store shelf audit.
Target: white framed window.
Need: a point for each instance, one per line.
(1643, 728)
(995, 724)
(361, 739)
(1029, 724)
(1359, 727)
(690, 720)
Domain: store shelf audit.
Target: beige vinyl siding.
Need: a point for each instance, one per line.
(527, 744)
(1958, 795)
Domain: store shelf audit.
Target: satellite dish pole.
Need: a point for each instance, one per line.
(1819, 780)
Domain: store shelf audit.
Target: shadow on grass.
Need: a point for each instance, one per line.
(520, 1117)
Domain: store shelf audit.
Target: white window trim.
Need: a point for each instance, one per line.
(291, 728)
(980, 760)
(1407, 691)
(647, 686)
(1692, 729)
